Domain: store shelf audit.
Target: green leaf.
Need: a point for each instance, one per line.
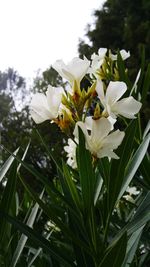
(98, 187)
(7, 165)
(122, 71)
(51, 211)
(147, 129)
(145, 171)
(116, 253)
(22, 241)
(71, 186)
(38, 251)
(104, 169)
(40, 241)
(6, 201)
(140, 218)
(32, 170)
(118, 167)
(50, 154)
(134, 164)
(86, 173)
(139, 85)
(24, 155)
(132, 246)
(146, 84)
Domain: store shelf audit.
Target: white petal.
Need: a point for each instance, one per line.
(83, 128)
(113, 140)
(112, 121)
(38, 117)
(54, 96)
(102, 52)
(132, 190)
(97, 60)
(100, 129)
(104, 152)
(89, 122)
(124, 54)
(78, 68)
(59, 66)
(127, 107)
(39, 109)
(100, 91)
(114, 91)
(68, 75)
(38, 100)
(74, 70)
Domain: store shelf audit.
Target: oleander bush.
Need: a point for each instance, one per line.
(95, 211)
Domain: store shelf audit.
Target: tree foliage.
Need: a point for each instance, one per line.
(120, 24)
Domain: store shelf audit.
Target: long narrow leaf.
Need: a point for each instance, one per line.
(146, 85)
(72, 188)
(132, 246)
(23, 239)
(134, 164)
(115, 255)
(52, 249)
(118, 167)
(7, 165)
(6, 201)
(86, 173)
(50, 211)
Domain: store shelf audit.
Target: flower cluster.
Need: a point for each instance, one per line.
(94, 109)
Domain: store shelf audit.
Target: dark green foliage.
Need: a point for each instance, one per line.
(120, 24)
(49, 76)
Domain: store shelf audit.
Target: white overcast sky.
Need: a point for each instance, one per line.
(35, 33)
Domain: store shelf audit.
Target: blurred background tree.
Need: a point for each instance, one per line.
(120, 24)
(16, 125)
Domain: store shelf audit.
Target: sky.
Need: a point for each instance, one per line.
(35, 33)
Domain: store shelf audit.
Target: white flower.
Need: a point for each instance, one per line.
(97, 60)
(45, 107)
(124, 54)
(132, 190)
(71, 153)
(98, 140)
(126, 107)
(75, 70)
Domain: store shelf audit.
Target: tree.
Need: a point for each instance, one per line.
(49, 76)
(17, 127)
(120, 24)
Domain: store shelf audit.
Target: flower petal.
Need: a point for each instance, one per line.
(39, 109)
(38, 117)
(100, 91)
(102, 52)
(89, 122)
(54, 96)
(83, 128)
(104, 152)
(127, 107)
(75, 70)
(100, 129)
(113, 140)
(124, 54)
(114, 91)
(60, 66)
